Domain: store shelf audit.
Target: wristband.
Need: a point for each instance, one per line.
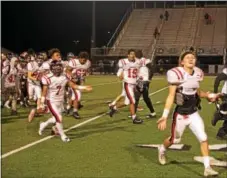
(165, 113)
(81, 87)
(43, 99)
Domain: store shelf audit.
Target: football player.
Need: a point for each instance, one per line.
(5, 65)
(221, 114)
(11, 85)
(184, 90)
(53, 93)
(143, 82)
(128, 72)
(80, 71)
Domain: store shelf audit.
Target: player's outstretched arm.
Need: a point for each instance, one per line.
(78, 87)
(168, 105)
(211, 97)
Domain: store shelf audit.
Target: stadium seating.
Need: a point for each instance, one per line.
(185, 27)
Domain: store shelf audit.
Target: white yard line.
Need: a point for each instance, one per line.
(73, 127)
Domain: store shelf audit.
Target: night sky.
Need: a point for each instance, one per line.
(44, 25)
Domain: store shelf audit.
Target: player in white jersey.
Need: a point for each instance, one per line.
(34, 77)
(128, 73)
(80, 70)
(184, 90)
(11, 85)
(5, 64)
(53, 92)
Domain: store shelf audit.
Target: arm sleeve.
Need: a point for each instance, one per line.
(218, 79)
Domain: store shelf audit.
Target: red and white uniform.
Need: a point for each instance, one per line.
(34, 87)
(5, 65)
(55, 94)
(10, 79)
(189, 85)
(130, 74)
(79, 70)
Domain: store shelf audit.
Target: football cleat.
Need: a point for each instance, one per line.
(65, 139)
(210, 172)
(112, 111)
(76, 115)
(137, 121)
(80, 106)
(161, 157)
(151, 115)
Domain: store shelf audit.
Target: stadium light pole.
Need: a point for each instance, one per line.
(93, 36)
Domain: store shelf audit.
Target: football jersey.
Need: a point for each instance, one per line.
(224, 88)
(78, 68)
(130, 70)
(35, 69)
(56, 86)
(10, 80)
(144, 71)
(186, 82)
(5, 65)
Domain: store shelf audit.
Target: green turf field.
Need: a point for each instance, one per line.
(105, 147)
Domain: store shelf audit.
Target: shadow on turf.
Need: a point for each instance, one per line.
(153, 157)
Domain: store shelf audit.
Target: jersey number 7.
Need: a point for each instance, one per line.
(59, 88)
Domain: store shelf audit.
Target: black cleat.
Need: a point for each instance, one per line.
(76, 115)
(112, 111)
(137, 121)
(150, 116)
(80, 106)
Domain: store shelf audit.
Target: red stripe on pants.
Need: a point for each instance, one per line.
(53, 112)
(173, 127)
(128, 93)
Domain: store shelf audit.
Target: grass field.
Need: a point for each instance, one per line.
(104, 147)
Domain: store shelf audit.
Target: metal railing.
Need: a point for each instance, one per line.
(120, 26)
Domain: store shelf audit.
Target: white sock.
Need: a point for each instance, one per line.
(133, 116)
(162, 148)
(75, 110)
(60, 129)
(206, 161)
(68, 107)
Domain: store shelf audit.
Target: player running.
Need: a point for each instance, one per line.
(184, 84)
(53, 92)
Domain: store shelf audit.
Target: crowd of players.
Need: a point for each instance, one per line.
(51, 82)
